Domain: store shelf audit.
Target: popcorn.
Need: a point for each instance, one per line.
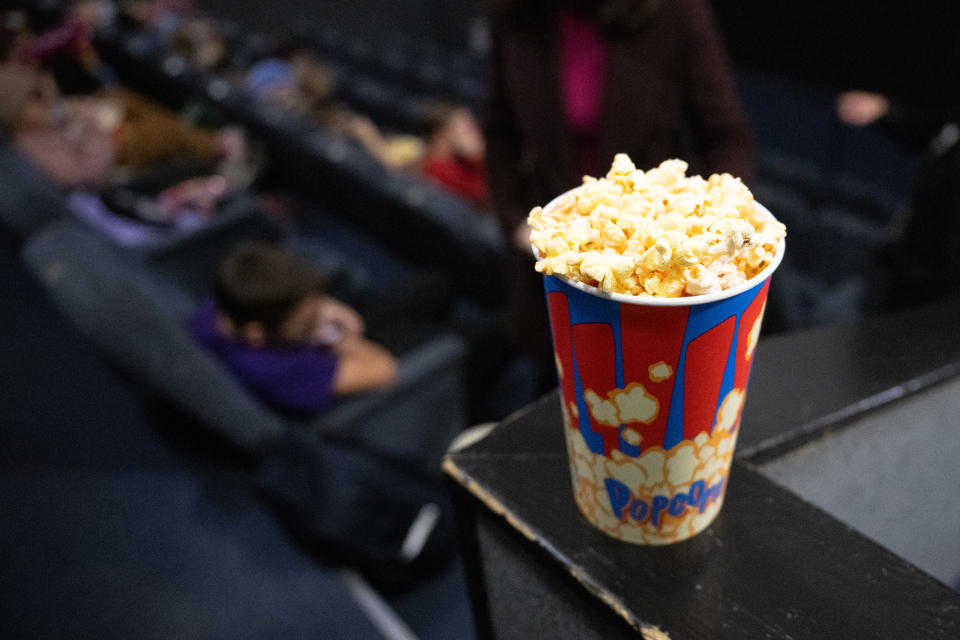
(657, 233)
(701, 280)
(657, 257)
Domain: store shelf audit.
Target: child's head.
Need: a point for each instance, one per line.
(452, 129)
(267, 294)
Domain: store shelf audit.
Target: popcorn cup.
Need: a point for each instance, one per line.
(652, 392)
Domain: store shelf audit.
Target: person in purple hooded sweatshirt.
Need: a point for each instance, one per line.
(291, 346)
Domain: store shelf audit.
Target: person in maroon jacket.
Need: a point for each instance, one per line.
(573, 82)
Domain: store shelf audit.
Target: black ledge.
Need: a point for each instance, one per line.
(805, 384)
(771, 565)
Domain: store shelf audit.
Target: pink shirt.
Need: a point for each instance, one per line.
(583, 66)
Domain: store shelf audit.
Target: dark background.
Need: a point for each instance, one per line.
(898, 47)
(892, 47)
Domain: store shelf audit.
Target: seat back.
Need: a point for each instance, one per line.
(28, 200)
(109, 295)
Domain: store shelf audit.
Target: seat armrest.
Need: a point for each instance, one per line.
(430, 382)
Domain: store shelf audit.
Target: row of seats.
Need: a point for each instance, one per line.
(831, 249)
(415, 219)
(134, 302)
(421, 67)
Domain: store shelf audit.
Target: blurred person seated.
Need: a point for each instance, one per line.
(200, 44)
(151, 135)
(57, 41)
(175, 28)
(454, 157)
(77, 143)
(291, 345)
(920, 254)
(69, 140)
(59, 38)
(157, 19)
(148, 133)
(292, 77)
(395, 151)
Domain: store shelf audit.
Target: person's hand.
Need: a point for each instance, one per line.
(336, 322)
(860, 108)
(201, 194)
(363, 130)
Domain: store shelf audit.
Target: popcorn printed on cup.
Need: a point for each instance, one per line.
(653, 486)
(623, 406)
(660, 371)
(657, 498)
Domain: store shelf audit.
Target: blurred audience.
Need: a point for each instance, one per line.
(87, 146)
(57, 44)
(201, 45)
(136, 169)
(647, 77)
(292, 76)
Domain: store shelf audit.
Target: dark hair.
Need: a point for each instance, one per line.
(436, 114)
(261, 282)
(615, 18)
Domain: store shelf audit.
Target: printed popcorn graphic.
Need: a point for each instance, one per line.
(658, 497)
(652, 399)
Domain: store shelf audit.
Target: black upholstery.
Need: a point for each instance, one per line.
(27, 199)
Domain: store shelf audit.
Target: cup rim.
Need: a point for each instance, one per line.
(683, 301)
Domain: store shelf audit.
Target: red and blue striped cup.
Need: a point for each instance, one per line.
(652, 392)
